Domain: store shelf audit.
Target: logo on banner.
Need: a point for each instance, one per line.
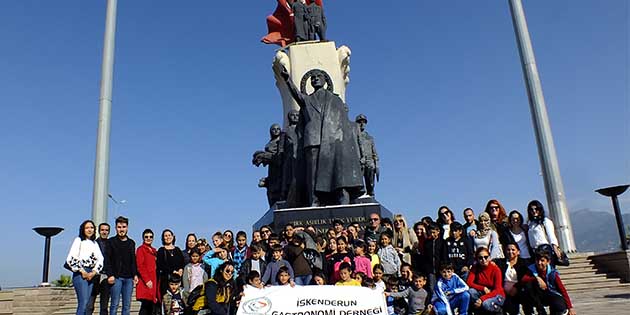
(257, 306)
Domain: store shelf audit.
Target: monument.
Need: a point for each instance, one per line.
(318, 163)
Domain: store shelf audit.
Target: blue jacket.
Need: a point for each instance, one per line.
(453, 286)
(550, 277)
(272, 270)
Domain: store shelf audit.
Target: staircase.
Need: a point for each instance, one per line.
(583, 275)
(70, 307)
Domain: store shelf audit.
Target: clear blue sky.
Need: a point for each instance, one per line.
(194, 95)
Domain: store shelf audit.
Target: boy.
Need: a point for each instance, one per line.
(345, 275)
(269, 277)
(395, 306)
(241, 251)
(253, 263)
(544, 287)
(451, 292)
(173, 300)
(434, 251)
(459, 250)
(418, 298)
(406, 277)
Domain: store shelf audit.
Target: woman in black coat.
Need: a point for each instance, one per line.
(170, 260)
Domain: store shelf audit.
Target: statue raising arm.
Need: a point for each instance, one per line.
(295, 92)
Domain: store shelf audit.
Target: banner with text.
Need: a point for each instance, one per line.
(313, 300)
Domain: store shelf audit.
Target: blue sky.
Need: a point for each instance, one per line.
(194, 95)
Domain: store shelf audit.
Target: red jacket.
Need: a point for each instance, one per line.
(145, 260)
(489, 277)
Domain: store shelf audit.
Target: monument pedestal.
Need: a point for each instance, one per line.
(321, 217)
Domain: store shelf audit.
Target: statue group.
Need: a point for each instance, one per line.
(296, 21)
(321, 158)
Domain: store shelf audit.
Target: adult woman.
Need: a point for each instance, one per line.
(169, 260)
(513, 268)
(541, 229)
(404, 238)
(228, 240)
(486, 287)
(191, 242)
(498, 217)
(444, 220)
(147, 289)
(220, 290)
(86, 261)
(517, 233)
(487, 237)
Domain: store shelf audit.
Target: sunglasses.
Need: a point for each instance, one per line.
(483, 257)
(374, 219)
(229, 271)
(148, 236)
(265, 232)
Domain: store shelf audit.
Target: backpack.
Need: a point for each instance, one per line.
(313, 258)
(197, 298)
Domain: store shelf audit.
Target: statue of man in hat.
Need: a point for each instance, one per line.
(369, 157)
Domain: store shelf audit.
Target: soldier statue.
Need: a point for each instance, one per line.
(271, 158)
(369, 157)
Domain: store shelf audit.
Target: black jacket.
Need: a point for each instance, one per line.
(429, 261)
(460, 253)
(521, 268)
(120, 261)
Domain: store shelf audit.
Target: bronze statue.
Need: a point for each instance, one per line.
(331, 153)
(292, 178)
(301, 19)
(271, 158)
(316, 21)
(369, 157)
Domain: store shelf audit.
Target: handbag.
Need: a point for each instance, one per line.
(558, 256)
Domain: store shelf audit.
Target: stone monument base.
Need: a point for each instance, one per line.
(321, 217)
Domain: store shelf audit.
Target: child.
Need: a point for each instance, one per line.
(271, 272)
(388, 255)
(253, 263)
(395, 306)
(283, 278)
(434, 251)
(451, 292)
(416, 295)
(544, 287)
(253, 280)
(338, 258)
(217, 239)
(216, 258)
(377, 276)
(372, 251)
(361, 262)
(406, 277)
(359, 276)
(345, 275)
(194, 273)
(318, 277)
(459, 250)
(173, 301)
(368, 283)
(241, 251)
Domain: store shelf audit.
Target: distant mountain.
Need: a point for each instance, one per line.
(596, 230)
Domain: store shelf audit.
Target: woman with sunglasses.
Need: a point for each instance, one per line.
(499, 219)
(486, 285)
(404, 238)
(147, 289)
(220, 290)
(541, 228)
(444, 220)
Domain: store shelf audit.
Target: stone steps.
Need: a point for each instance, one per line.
(582, 275)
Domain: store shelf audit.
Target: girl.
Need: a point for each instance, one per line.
(220, 290)
(194, 273)
(361, 262)
(388, 255)
(283, 278)
(372, 251)
(228, 240)
(377, 276)
(86, 261)
(318, 278)
(341, 256)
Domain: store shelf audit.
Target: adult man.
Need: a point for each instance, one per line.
(100, 283)
(374, 228)
(120, 266)
(369, 157)
(470, 227)
(331, 155)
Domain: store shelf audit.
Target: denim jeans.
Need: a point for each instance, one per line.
(83, 289)
(458, 301)
(492, 305)
(124, 287)
(303, 280)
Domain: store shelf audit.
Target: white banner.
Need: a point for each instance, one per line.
(313, 300)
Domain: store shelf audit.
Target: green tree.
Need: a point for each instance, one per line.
(64, 281)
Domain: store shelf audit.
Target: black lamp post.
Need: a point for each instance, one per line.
(48, 233)
(613, 192)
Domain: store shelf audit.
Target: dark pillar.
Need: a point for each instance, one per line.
(48, 233)
(613, 192)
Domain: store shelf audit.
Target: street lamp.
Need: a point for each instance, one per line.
(613, 192)
(48, 233)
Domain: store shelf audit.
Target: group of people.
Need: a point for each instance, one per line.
(493, 263)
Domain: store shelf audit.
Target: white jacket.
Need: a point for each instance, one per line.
(85, 254)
